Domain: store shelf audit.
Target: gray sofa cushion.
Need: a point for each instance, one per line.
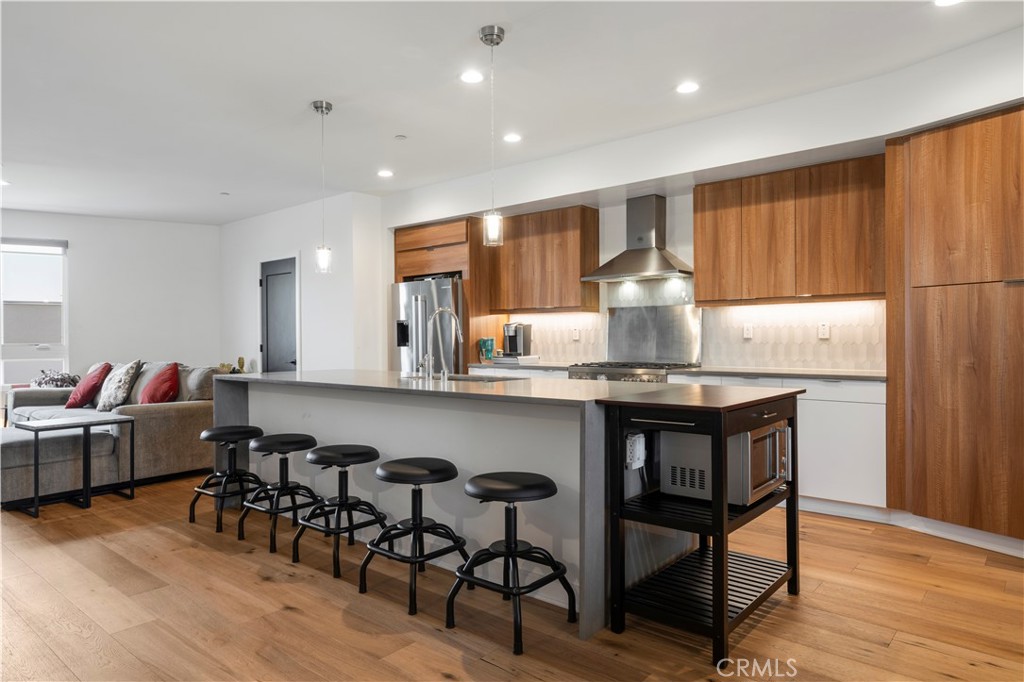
(37, 412)
(195, 383)
(54, 446)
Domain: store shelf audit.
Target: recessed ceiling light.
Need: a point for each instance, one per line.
(687, 87)
(471, 76)
(385, 173)
(946, 3)
(512, 137)
(4, 183)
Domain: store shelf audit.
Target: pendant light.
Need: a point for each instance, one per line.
(323, 252)
(492, 36)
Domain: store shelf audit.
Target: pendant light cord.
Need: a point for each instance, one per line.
(492, 127)
(323, 182)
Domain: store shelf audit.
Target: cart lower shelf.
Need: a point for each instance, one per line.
(681, 593)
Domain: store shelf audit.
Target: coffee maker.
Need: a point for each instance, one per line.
(517, 339)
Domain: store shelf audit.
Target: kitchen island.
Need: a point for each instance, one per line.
(549, 426)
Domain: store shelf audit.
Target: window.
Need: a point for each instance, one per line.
(33, 317)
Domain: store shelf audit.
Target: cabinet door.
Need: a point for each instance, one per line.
(964, 194)
(717, 218)
(769, 235)
(543, 258)
(428, 261)
(967, 405)
(756, 382)
(840, 227)
(443, 234)
(701, 379)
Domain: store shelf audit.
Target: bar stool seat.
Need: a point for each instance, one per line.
(414, 471)
(320, 515)
(230, 482)
(510, 487)
(268, 498)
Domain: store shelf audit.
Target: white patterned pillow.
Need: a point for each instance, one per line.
(117, 386)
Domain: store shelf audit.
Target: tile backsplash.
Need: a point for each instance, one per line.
(553, 336)
(786, 336)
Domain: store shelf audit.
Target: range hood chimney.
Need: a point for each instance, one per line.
(645, 256)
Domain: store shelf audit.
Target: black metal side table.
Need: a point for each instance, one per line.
(86, 424)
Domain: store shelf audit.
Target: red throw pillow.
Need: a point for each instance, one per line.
(88, 387)
(163, 388)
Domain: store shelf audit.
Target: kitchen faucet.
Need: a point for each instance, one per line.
(429, 359)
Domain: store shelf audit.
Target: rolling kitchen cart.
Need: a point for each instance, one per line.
(710, 590)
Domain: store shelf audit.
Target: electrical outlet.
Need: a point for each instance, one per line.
(748, 331)
(823, 330)
(575, 334)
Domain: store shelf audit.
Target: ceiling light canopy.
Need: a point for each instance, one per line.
(513, 137)
(385, 173)
(946, 3)
(471, 76)
(686, 87)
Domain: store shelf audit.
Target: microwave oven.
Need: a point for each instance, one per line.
(758, 463)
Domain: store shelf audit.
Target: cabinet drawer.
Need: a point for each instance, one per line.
(839, 391)
(759, 382)
(703, 380)
(411, 238)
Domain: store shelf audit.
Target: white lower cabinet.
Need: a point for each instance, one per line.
(704, 379)
(756, 382)
(553, 373)
(841, 432)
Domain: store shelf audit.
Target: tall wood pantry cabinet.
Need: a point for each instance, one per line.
(956, 323)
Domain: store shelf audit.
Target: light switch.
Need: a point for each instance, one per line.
(748, 331)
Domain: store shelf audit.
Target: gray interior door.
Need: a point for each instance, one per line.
(277, 312)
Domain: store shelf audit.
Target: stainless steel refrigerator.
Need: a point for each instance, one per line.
(412, 304)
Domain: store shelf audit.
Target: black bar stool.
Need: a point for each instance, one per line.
(267, 498)
(231, 482)
(414, 471)
(319, 516)
(510, 487)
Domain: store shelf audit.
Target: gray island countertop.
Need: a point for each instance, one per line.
(527, 390)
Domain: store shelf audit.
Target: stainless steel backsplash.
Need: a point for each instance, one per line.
(664, 333)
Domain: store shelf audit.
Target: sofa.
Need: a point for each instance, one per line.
(166, 435)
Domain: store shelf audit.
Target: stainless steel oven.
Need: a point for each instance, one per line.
(643, 372)
(758, 463)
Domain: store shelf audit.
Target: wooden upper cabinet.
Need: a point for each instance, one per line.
(716, 241)
(966, 221)
(840, 227)
(543, 258)
(432, 236)
(768, 235)
(431, 249)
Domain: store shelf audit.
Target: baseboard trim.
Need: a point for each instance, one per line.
(894, 517)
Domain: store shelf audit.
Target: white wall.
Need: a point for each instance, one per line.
(341, 314)
(975, 77)
(137, 288)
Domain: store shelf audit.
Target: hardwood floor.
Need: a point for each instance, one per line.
(131, 591)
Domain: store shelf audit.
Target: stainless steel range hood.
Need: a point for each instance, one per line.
(645, 256)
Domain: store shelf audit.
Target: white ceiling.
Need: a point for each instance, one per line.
(151, 110)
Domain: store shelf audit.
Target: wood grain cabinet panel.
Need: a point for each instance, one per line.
(717, 224)
(769, 235)
(840, 228)
(543, 258)
(967, 405)
(431, 260)
(966, 220)
(442, 234)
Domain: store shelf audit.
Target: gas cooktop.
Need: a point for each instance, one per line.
(639, 365)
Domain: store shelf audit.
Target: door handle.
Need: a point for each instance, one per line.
(292, 362)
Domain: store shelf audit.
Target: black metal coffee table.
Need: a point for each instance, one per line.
(86, 424)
